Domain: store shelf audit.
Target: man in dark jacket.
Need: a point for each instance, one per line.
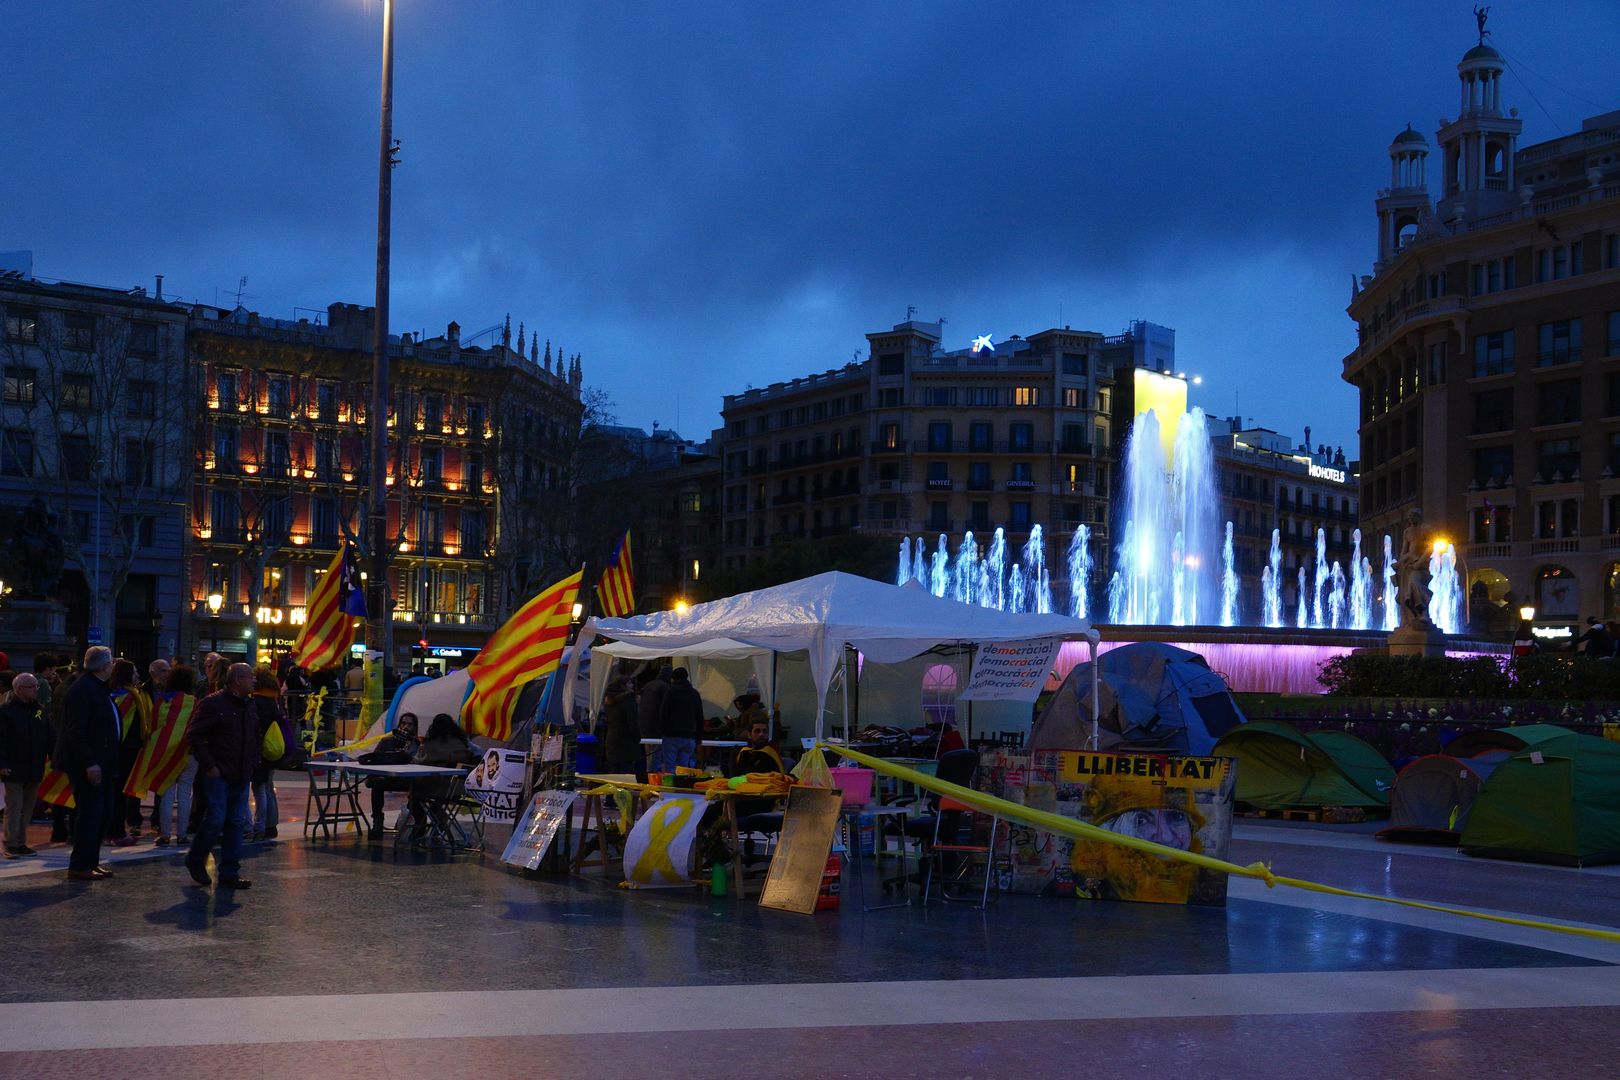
(680, 723)
(87, 753)
(652, 700)
(225, 738)
(621, 740)
(25, 743)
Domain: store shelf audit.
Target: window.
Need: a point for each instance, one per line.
(692, 502)
(22, 325)
(889, 398)
(983, 395)
(433, 412)
(1560, 343)
(79, 332)
(1023, 474)
(938, 472)
(1021, 438)
(978, 476)
(142, 399)
(1074, 397)
(1489, 277)
(892, 364)
(980, 436)
(475, 418)
(326, 402)
(225, 386)
(1074, 479)
(1074, 363)
(432, 462)
(78, 392)
(138, 463)
(472, 471)
(1493, 411)
(473, 534)
(939, 436)
(889, 437)
(225, 447)
(1558, 459)
(280, 393)
(22, 384)
(143, 339)
(1437, 364)
(1493, 353)
(939, 517)
(1493, 465)
(1026, 395)
(1021, 515)
(979, 515)
(940, 396)
(324, 522)
(277, 459)
(1558, 402)
(78, 457)
(1612, 346)
(17, 453)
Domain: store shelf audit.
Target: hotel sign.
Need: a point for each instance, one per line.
(1322, 472)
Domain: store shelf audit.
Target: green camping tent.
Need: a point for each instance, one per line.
(1281, 767)
(1472, 743)
(1555, 801)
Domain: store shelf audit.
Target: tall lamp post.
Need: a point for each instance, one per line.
(215, 602)
(377, 603)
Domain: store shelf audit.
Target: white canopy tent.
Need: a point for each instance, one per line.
(824, 614)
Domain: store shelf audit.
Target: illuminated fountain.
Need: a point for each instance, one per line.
(1079, 563)
(1229, 582)
(1445, 589)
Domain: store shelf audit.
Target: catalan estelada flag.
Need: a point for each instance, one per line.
(55, 788)
(131, 706)
(163, 756)
(527, 647)
(616, 591)
(336, 601)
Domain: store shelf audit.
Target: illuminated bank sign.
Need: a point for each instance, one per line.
(1165, 396)
(1322, 472)
(982, 344)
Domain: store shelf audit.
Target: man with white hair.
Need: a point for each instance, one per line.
(87, 752)
(25, 743)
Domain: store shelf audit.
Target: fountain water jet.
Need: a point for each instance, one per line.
(1079, 560)
(1229, 582)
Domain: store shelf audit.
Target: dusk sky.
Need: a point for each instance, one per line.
(700, 198)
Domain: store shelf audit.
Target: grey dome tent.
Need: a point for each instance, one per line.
(1433, 796)
(1153, 696)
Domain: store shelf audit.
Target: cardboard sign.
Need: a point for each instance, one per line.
(658, 851)
(1011, 670)
(497, 782)
(808, 824)
(538, 829)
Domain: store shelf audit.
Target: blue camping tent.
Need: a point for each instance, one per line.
(1154, 696)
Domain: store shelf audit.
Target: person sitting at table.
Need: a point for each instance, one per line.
(758, 755)
(398, 747)
(446, 746)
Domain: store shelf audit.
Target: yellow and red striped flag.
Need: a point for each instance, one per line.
(616, 591)
(528, 646)
(55, 788)
(163, 756)
(335, 602)
(131, 706)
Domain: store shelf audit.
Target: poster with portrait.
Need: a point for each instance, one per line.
(1179, 801)
(497, 782)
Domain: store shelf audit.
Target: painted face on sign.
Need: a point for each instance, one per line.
(1172, 828)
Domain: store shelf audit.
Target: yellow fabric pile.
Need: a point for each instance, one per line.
(767, 784)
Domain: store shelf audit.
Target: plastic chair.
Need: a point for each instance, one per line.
(957, 767)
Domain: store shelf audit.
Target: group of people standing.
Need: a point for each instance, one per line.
(664, 705)
(98, 732)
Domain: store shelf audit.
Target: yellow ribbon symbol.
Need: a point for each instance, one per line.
(664, 825)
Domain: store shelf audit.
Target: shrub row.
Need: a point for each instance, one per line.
(1540, 676)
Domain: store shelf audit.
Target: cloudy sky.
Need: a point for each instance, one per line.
(705, 197)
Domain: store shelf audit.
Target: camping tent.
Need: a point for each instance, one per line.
(1151, 695)
(1557, 801)
(1472, 743)
(821, 615)
(1281, 767)
(1434, 795)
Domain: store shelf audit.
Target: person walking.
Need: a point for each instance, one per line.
(87, 753)
(680, 723)
(25, 743)
(267, 706)
(225, 737)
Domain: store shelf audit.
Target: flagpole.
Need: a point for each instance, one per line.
(382, 635)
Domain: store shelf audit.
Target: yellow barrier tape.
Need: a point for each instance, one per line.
(358, 744)
(1080, 830)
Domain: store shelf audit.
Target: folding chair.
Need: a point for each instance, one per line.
(960, 837)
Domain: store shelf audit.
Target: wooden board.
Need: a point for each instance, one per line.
(808, 824)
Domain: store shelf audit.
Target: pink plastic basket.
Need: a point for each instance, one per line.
(855, 783)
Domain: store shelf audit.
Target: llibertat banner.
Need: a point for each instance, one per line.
(1011, 670)
(658, 851)
(538, 829)
(497, 782)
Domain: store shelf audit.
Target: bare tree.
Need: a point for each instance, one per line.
(95, 412)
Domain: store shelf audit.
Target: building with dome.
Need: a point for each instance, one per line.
(1488, 362)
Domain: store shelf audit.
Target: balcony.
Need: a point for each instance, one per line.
(788, 500)
(1488, 551)
(1565, 546)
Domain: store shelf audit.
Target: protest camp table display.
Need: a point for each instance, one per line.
(334, 793)
(338, 800)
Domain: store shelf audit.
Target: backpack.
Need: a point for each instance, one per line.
(293, 754)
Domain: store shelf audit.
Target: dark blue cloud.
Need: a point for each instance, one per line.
(699, 197)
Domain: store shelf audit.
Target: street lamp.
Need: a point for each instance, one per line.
(215, 602)
(378, 445)
(1528, 613)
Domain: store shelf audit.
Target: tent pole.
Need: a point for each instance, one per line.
(1092, 637)
(776, 710)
